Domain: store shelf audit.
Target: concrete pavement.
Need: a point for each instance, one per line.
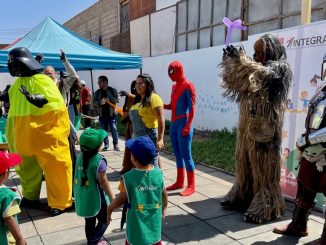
(197, 219)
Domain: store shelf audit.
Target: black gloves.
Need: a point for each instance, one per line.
(231, 51)
(62, 55)
(39, 58)
(4, 96)
(35, 99)
(123, 93)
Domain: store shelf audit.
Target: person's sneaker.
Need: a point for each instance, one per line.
(116, 147)
(56, 211)
(105, 148)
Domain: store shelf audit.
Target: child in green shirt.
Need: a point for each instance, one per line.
(91, 186)
(143, 188)
(9, 203)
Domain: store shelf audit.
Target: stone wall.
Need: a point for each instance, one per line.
(99, 20)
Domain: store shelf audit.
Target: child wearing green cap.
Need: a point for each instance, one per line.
(143, 189)
(91, 186)
(9, 203)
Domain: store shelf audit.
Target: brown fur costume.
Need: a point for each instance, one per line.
(261, 89)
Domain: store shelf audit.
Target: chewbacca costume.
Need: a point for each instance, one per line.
(261, 89)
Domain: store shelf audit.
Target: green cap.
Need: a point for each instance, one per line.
(91, 138)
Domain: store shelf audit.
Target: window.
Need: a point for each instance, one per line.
(124, 16)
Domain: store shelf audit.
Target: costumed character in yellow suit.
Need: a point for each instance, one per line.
(38, 129)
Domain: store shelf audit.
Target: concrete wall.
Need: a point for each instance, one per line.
(163, 44)
(101, 19)
(139, 36)
(154, 34)
(199, 23)
(269, 15)
(160, 4)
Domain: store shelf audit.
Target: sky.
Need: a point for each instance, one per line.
(18, 17)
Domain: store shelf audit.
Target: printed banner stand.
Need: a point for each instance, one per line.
(305, 48)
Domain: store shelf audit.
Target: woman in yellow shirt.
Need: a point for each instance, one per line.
(147, 113)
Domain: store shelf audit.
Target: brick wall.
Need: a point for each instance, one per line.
(121, 42)
(101, 19)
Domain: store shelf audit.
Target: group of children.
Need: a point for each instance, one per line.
(142, 189)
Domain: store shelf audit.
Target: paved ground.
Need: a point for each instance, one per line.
(197, 219)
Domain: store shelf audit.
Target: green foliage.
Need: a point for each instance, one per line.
(216, 148)
(167, 127)
(219, 152)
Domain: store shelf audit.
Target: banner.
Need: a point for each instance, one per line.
(305, 47)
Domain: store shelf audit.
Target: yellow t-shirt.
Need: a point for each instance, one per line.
(146, 113)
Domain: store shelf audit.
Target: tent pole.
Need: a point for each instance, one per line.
(92, 81)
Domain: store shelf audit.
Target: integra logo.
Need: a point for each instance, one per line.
(292, 42)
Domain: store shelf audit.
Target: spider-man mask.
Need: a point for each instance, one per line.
(175, 71)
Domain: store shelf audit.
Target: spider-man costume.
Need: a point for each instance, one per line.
(183, 106)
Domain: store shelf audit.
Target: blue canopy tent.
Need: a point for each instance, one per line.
(49, 37)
